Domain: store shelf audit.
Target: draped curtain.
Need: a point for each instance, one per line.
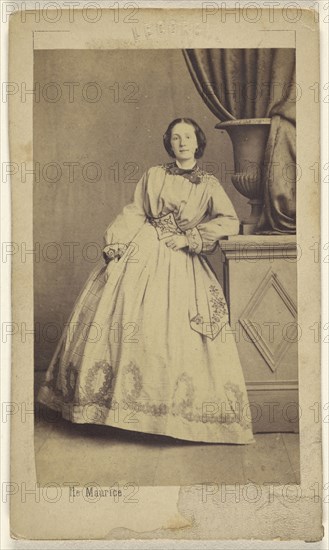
(257, 83)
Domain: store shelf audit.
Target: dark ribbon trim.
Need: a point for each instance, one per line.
(194, 174)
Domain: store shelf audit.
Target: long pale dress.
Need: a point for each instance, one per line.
(148, 346)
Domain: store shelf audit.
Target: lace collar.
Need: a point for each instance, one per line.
(194, 174)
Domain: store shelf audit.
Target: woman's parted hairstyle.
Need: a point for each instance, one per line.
(200, 136)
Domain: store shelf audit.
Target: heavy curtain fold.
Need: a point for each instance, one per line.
(257, 83)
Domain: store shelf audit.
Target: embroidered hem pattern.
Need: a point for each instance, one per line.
(96, 403)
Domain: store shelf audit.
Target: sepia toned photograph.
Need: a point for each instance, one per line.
(165, 291)
(162, 269)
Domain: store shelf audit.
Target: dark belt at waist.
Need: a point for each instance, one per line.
(165, 225)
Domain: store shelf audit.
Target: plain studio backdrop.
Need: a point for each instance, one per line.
(99, 118)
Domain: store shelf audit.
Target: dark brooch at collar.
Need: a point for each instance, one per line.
(194, 174)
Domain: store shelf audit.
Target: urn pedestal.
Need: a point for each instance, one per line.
(260, 286)
(249, 139)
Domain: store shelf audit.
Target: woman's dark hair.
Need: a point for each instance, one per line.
(201, 138)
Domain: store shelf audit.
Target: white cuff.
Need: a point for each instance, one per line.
(194, 240)
(115, 250)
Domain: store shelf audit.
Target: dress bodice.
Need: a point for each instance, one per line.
(198, 203)
(169, 192)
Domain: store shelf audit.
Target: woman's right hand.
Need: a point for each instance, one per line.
(176, 242)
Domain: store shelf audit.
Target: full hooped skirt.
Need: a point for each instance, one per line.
(130, 357)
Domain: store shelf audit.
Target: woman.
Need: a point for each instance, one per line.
(148, 346)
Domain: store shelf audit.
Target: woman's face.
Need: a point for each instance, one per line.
(183, 141)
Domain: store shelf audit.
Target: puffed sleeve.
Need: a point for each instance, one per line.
(120, 233)
(221, 221)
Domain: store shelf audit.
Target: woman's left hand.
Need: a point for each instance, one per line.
(176, 242)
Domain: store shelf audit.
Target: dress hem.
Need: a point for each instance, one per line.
(77, 417)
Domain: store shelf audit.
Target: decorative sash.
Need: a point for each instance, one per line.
(208, 311)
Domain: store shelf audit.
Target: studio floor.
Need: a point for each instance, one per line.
(84, 454)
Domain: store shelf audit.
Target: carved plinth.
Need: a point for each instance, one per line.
(260, 285)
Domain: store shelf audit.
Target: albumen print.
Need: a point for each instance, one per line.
(170, 331)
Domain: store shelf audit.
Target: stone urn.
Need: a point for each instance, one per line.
(249, 138)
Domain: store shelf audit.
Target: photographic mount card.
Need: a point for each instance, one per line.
(106, 84)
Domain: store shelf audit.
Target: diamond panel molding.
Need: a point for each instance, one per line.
(273, 343)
